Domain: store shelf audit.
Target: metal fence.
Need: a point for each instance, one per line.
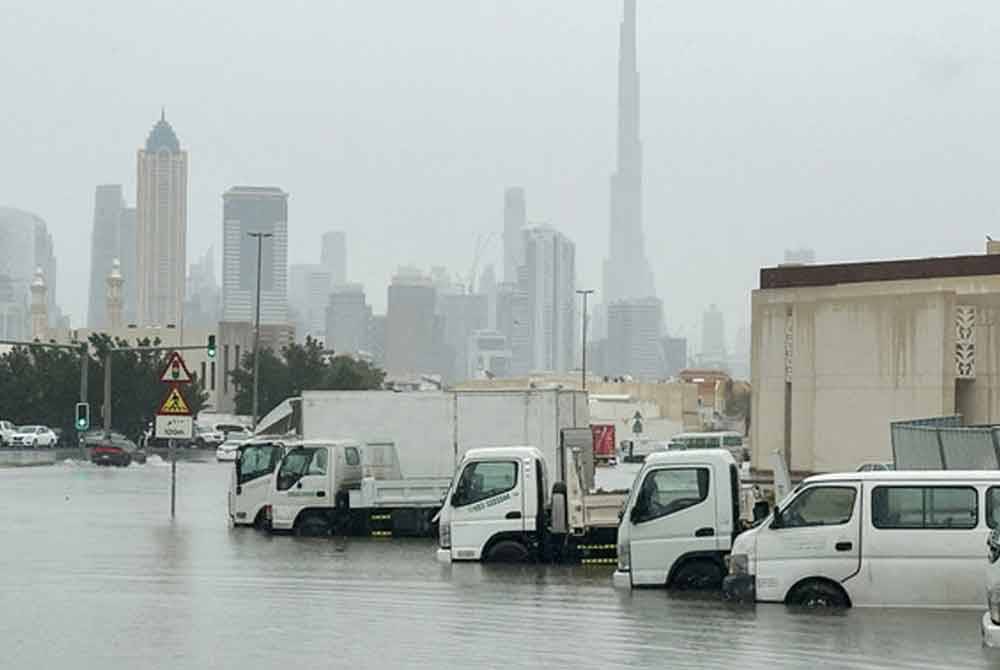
(943, 443)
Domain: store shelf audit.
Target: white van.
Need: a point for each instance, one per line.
(679, 521)
(884, 539)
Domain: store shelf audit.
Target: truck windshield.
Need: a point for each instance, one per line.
(299, 463)
(256, 460)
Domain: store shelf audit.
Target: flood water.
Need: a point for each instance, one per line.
(93, 574)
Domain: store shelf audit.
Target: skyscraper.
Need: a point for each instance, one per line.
(348, 320)
(308, 294)
(515, 217)
(202, 306)
(161, 231)
(105, 247)
(512, 320)
(255, 209)
(333, 255)
(548, 278)
(713, 338)
(626, 271)
(411, 329)
(634, 344)
(25, 247)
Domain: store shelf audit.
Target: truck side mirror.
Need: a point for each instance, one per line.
(760, 511)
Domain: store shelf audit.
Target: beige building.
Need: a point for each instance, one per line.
(235, 342)
(161, 232)
(840, 351)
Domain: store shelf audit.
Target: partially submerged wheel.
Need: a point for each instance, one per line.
(312, 525)
(507, 551)
(699, 575)
(818, 595)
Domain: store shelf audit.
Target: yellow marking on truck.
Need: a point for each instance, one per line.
(381, 533)
(380, 517)
(597, 546)
(598, 561)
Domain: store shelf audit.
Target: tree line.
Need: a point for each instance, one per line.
(41, 385)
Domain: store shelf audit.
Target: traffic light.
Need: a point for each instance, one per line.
(82, 416)
(211, 346)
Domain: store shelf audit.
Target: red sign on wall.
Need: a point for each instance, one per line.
(604, 440)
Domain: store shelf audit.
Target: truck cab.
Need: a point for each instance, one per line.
(311, 485)
(251, 481)
(495, 509)
(679, 521)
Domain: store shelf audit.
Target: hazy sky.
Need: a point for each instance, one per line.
(863, 129)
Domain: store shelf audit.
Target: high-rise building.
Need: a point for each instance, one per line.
(161, 227)
(635, 329)
(202, 307)
(348, 320)
(675, 356)
(548, 278)
(515, 217)
(411, 344)
(376, 339)
(713, 338)
(25, 247)
(105, 247)
(802, 256)
(462, 315)
(255, 209)
(308, 293)
(627, 272)
(488, 287)
(512, 321)
(127, 241)
(333, 255)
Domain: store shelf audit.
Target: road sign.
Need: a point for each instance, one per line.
(176, 371)
(174, 427)
(174, 404)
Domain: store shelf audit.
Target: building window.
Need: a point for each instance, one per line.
(213, 375)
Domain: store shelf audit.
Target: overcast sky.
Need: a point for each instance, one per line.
(863, 129)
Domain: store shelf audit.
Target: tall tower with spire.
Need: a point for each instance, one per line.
(113, 305)
(627, 273)
(161, 227)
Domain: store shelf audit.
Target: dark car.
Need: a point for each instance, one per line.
(115, 449)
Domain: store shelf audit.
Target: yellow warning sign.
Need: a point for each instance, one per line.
(174, 404)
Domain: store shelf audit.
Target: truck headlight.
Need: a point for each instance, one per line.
(739, 564)
(624, 557)
(993, 598)
(444, 536)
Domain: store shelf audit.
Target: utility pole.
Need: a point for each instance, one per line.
(256, 330)
(583, 373)
(107, 395)
(84, 360)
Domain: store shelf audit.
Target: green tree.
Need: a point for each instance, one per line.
(300, 367)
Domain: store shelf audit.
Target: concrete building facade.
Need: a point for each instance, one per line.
(161, 227)
(348, 320)
(515, 218)
(333, 256)
(840, 351)
(634, 348)
(412, 329)
(548, 279)
(255, 209)
(308, 294)
(105, 247)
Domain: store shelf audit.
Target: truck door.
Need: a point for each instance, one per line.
(488, 499)
(303, 480)
(674, 515)
(817, 534)
(254, 467)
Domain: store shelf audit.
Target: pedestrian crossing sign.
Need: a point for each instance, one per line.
(174, 404)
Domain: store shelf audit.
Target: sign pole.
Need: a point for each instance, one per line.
(173, 478)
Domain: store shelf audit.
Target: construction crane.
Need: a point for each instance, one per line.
(482, 243)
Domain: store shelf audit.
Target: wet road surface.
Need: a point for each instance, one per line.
(93, 574)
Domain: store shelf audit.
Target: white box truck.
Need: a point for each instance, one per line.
(431, 431)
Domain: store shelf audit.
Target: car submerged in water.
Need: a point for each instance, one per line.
(114, 449)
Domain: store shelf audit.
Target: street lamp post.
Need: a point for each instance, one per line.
(256, 330)
(583, 373)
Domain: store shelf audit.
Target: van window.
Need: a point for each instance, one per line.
(934, 507)
(667, 491)
(993, 506)
(820, 506)
(484, 479)
(351, 455)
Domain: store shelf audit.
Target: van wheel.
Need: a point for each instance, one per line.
(312, 525)
(699, 575)
(818, 594)
(507, 551)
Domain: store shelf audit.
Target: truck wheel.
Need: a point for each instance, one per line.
(818, 594)
(507, 551)
(312, 525)
(700, 575)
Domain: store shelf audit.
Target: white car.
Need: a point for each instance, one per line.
(6, 433)
(226, 452)
(33, 436)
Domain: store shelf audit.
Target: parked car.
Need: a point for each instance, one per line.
(226, 452)
(33, 436)
(115, 449)
(208, 437)
(6, 433)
